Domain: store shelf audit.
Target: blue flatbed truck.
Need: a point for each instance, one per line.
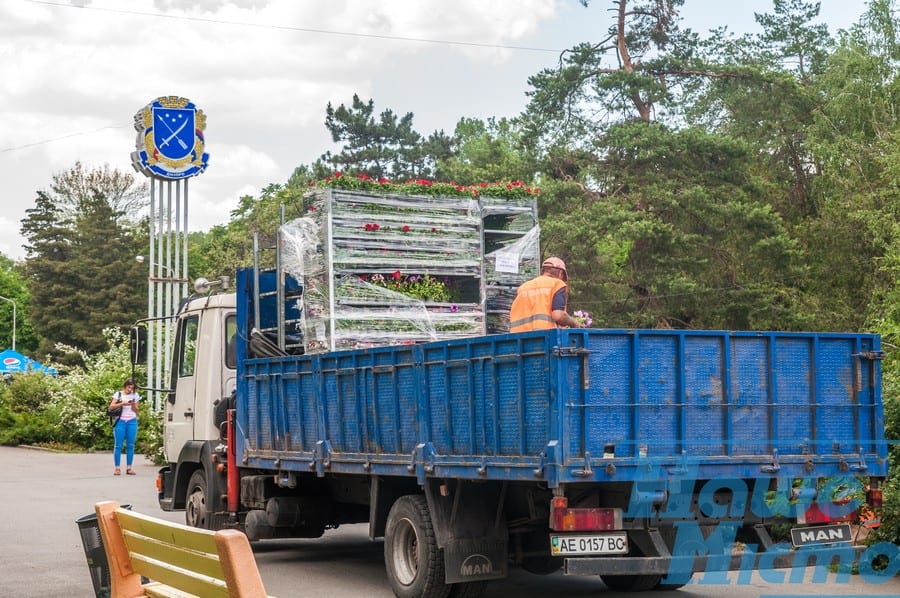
(640, 456)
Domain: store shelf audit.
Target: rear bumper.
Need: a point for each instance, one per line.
(684, 566)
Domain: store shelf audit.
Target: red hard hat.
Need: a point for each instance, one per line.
(555, 262)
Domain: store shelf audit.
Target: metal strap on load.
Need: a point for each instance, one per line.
(281, 295)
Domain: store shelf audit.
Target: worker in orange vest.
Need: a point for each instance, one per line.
(540, 303)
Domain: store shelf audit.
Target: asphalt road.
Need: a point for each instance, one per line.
(41, 553)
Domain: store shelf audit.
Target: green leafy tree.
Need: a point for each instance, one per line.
(14, 287)
(677, 237)
(225, 248)
(771, 98)
(487, 151)
(80, 260)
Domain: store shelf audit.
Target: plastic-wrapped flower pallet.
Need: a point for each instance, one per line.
(381, 268)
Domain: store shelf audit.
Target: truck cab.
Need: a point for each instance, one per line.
(202, 382)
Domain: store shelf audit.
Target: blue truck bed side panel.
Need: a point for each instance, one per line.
(562, 405)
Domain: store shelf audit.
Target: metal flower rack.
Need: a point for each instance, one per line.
(398, 269)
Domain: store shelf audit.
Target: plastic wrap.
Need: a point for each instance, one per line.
(515, 260)
(395, 269)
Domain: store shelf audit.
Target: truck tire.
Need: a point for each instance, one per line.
(537, 559)
(471, 589)
(195, 512)
(414, 563)
(631, 583)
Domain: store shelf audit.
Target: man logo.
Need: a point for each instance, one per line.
(476, 564)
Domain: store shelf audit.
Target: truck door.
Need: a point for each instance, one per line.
(180, 408)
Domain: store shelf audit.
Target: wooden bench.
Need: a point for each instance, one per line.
(178, 560)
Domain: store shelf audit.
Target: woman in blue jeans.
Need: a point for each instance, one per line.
(126, 428)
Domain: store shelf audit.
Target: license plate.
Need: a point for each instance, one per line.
(609, 543)
(822, 534)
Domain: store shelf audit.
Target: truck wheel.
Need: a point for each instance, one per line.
(631, 583)
(537, 559)
(469, 589)
(195, 513)
(414, 563)
(668, 587)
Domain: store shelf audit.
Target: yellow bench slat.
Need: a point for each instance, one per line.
(158, 590)
(174, 533)
(201, 562)
(171, 575)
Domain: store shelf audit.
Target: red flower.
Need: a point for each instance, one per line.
(482, 185)
(383, 181)
(517, 183)
(406, 228)
(363, 177)
(396, 275)
(509, 187)
(338, 174)
(434, 230)
(369, 226)
(375, 226)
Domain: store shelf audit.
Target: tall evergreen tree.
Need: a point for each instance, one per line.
(48, 255)
(386, 146)
(80, 261)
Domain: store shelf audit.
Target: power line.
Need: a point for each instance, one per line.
(61, 137)
(291, 28)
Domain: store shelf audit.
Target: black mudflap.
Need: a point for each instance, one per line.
(469, 527)
(475, 560)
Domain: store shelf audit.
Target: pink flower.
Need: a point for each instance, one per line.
(405, 228)
(396, 275)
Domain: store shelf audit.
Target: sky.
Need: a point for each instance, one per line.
(73, 73)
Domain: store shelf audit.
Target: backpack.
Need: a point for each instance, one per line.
(116, 412)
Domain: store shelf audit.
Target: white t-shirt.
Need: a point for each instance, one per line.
(128, 413)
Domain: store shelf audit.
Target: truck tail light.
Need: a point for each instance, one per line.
(828, 514)
(874, 497)
(564, 519)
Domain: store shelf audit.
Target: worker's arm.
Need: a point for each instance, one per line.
(563, 319)
(558, 311)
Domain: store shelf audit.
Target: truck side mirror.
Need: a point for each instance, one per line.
(138, 345)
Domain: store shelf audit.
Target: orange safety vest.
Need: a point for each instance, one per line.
(533, 304)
